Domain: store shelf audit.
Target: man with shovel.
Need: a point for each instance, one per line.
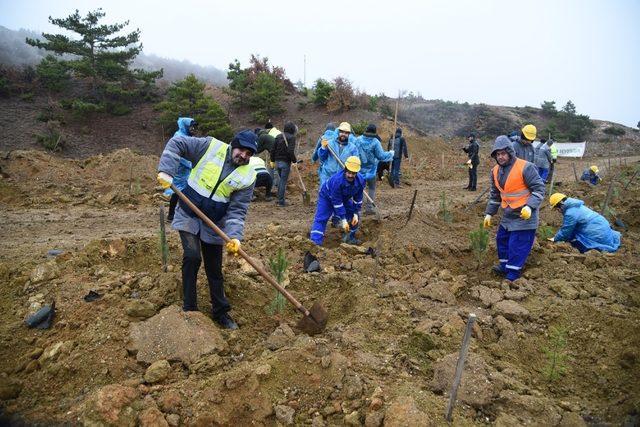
(340, 196)
(221, 185)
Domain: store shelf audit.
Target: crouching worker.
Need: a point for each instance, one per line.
(582, 227)
(220, 185)
(263, 178)
(340, 196)
(591, 175)
(517, 187)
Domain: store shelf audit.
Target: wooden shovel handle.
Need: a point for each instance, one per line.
(266, 276)
(295, 165)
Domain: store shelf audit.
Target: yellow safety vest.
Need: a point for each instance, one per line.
(274, 132)
(554, 152)
(205, 176)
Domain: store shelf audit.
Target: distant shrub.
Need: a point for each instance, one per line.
(52, 138)
(359, 127)
(322, 90)
(343, 97)
(614, 131)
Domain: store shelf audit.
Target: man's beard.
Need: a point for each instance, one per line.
(238, 161)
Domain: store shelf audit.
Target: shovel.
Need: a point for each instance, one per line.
(306, 199)
(333, 153)
(313, 322)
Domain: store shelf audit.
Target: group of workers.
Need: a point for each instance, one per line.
(518, 187)
(219, 179)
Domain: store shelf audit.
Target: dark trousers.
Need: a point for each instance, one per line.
(550, 172)
(193, 247)
(395, 170)
(283, 169)
(172, 206)
(473, 177)
(265, 180)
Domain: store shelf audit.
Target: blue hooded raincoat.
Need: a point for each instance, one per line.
(330, 165)
(590, 229)
(371, 153)
(184, 169)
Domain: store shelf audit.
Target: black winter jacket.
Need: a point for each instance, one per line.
(281, 152)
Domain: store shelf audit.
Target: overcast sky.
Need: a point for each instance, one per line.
(498, 52)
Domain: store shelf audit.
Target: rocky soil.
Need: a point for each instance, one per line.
(387, 356)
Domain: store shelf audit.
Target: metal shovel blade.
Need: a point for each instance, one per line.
(315, 322)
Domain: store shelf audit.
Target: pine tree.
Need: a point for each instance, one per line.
(186, 98)
(102, 57)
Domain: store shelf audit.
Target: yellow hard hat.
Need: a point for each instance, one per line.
(594, 169)
(353, 164)
(529, 132)
(345, 127)
(556, 198)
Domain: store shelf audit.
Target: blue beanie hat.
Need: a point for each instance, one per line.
(245, 139)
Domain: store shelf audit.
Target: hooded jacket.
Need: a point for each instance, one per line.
(232, 221)
(398, 145)
(183, 126)
(524, 151)
(328, 134)
(587, 227)
(370, 152)
(265, 141)
(543, 156)
(284, 150)
(511, 220)
(330, 166)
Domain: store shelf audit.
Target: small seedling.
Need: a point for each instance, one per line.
(479, 241)
(278, 266)
(446, 215)
(555, 352)
(545, 232)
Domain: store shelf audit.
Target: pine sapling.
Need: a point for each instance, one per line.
(545, 232)
(479, 242)
(556, 365)
(278, 266)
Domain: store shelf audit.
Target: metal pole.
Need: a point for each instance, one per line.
(163, 240)
(460, 366)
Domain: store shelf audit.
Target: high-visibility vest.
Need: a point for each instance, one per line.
(554, 152)
(274, 132)
(258, 165)
(205, 176)
(515, 192)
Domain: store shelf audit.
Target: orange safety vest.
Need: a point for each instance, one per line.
(515, 192)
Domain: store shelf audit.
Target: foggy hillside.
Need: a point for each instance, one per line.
(14, 51)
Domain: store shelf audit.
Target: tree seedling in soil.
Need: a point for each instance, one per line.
(479, 241)
(446, 215)
(278, 265)
(545, 232)
(555, 352)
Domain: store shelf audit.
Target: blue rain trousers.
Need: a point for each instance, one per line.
(513, 249)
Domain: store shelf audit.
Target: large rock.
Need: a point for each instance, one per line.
(487, 296)
(284, 414)
(152, 417)
(175, 335)
(140, 309)
(479, 384)
(438, 291)
(282, 336)
(403, 412)
(511, 310)
(563, 289)
(43, 272)
(111, 405)
(157, 372)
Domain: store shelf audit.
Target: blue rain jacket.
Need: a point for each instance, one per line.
(587, 227)
(183, 126)
(184, 168)
(328, 135)
(371, 153)
(330, 165)
(345, 196)
(593, 178)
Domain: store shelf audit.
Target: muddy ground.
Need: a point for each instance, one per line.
(396, 321)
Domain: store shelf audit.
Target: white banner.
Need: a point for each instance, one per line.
(568, 149)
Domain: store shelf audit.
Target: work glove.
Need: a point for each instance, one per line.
(551, 239)
(272, 165)
(469, 164)
(525, 212)
(233, 246)
(355, 220)
(324, 143)
(393, 153)
(165, 180)
(487, 221)
(345, 225)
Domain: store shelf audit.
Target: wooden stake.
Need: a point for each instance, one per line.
(460, 366)
(631, 179)
(163, 241)
(608, 197)
(442, 161)
(575, 174)
(413, 202)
